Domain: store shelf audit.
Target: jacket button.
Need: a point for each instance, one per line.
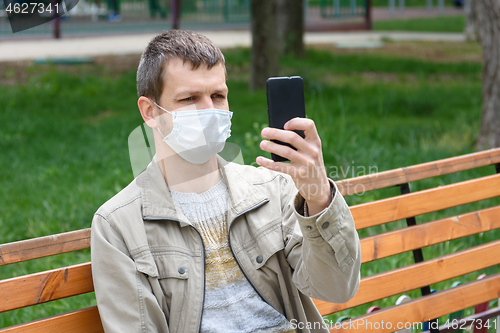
(181, 270)
(309, 227)
(325, 225)
(260, 259)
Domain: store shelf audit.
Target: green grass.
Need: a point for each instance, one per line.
(63, 139)
(434, 24)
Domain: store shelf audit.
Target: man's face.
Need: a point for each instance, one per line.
(198, 89)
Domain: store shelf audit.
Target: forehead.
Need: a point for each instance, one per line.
(179, 75)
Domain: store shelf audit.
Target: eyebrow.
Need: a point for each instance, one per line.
(187, 92)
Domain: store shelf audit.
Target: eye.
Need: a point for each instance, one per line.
(189, 99)
(218, 96)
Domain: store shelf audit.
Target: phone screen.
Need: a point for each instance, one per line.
(285, 100)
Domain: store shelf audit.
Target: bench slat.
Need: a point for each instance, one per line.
(44, 246)
(46, 286)
(431, 306)
(79, 321)
(415, 276)
(430, 233)
(418, 172)
(426, 201)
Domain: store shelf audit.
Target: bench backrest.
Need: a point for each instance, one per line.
(32, 289)
(415, 237)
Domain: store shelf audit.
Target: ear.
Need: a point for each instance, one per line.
(147, 111)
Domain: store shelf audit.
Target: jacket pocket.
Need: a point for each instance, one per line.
(145, 263)
(267, 241)
(173, 276)
(172, 266)
(260, 261)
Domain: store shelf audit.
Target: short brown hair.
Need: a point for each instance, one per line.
(184, 44)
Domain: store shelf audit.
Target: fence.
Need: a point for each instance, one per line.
(98, 16)
(342, 8)
(430, 5)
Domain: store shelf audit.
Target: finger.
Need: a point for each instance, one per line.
(303, 124)
(285, 136)
(297, 173)
(282, 150)
(272, 165)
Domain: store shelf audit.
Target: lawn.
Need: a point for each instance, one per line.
(433, 24)
(64, 131)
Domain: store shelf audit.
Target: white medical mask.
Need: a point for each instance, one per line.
(197, 135)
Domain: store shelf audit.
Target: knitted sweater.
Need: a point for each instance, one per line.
(231, 303)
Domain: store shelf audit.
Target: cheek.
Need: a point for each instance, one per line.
(165, 122)
(223, 105)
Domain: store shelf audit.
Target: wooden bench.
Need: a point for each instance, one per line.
(32, 289)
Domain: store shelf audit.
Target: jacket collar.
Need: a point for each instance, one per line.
(158, 204)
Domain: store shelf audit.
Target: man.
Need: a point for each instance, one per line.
(195, 243)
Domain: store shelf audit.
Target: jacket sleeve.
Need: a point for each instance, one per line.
(124, 295)
(323, 250)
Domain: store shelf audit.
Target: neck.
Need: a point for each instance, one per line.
(182, 176)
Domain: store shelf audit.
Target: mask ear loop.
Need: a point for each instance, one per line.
(163, 110)
(163, 136)
(161, 107)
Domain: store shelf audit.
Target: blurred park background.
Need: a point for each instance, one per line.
(95, 17)
(377, 106)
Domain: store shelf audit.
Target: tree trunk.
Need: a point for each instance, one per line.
(291, 26)
(281, 20)
(488, 26)
(265, 43)
(471, 33)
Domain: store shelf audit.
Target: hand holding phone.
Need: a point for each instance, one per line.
(285, 100)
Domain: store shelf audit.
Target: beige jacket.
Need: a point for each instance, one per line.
(148, 259)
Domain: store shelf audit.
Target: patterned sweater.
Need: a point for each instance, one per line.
(231, 303)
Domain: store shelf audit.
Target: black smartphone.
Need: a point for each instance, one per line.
(285, 100)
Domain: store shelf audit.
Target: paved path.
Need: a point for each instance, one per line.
(12, 50)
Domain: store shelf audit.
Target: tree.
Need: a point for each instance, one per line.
(488, 28)
(277, 28)
(291, 26)
(470, 20)
(265, 42)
